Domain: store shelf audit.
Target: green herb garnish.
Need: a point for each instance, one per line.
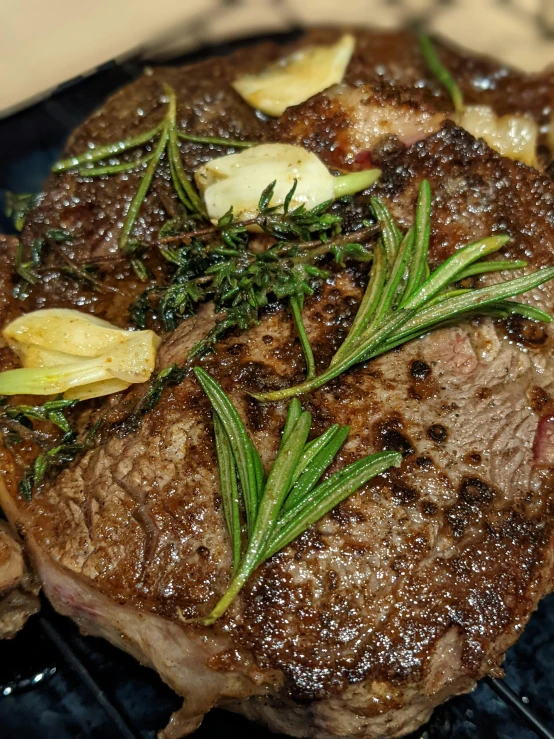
(441, 73)
(25, 269)
(279, 507)
(52, 411)
(18, 206)
(171, 375)
(216, 141)
(54, 458)
(166, 135)
(404, 299)
(242, 281)
(61, 454)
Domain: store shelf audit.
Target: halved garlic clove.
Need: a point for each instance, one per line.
(238, 180)
(296, 78)
(66, 351)
(513, 136)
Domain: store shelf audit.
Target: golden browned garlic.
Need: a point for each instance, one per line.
(297, 77)
(238, 180)
(513, 136)
(66, 351)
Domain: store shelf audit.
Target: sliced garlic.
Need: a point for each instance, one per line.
(297, 77)
(513, 136)
(238, 180)
(66, 351)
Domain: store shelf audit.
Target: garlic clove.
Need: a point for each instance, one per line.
(96, 389)
(51, 380)
(296, 78)
(65, 351)
(70, 331)
(513, 136)
(134, 361)
(238, 180)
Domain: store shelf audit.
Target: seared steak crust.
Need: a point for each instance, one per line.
(92, 210)
(414, 587)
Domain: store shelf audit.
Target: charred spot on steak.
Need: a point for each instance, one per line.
(404, 495)
(539, 399)
(428, 508)
(390, 437)
(420, 370)
(437, 433)
(473, 458)
(525, 332)
(476, 492)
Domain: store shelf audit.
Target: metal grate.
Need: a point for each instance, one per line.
(50, 651)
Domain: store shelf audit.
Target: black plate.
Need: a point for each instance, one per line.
(55, 684)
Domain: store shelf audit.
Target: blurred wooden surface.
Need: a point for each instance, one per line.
(44, 43)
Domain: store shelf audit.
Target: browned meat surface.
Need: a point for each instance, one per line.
(387, 71)
(18, 588)
(413, 588)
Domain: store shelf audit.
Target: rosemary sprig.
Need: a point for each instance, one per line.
(52, 411)
(289, 500)
(171, 375)
(167, 135)
(441, 73)
(404, 299)
(56, 457)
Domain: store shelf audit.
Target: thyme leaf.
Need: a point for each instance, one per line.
(404, 299)
(63, 452)
(282, 505)
(25, 269)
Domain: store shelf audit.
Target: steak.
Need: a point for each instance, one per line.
(411, 589)
(18, 587)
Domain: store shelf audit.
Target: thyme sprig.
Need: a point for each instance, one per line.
(166, 135)
(33, 270)
(404, 299)
(241, 280)
(282, 505)
(65, 450)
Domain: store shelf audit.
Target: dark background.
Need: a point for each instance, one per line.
(64, 704)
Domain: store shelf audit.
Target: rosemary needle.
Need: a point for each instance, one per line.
(142, 190)
(216, 140)
(99, 153)
(441, 73)
(290, 498)
(296, 305)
